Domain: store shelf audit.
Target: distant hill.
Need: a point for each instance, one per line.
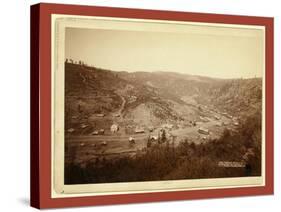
(150, 98)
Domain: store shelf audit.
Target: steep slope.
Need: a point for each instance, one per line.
(152, 98)
(240, 96)
(230, 95)
(90, 91)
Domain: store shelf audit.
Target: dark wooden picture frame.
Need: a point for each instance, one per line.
(41, 145)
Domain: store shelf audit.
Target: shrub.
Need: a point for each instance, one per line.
(185, 161)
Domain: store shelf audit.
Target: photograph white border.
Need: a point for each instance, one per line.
(59, 23)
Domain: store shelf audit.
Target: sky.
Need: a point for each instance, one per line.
(235, 53)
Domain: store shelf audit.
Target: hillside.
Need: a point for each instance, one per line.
(152, 98)
(123, 127)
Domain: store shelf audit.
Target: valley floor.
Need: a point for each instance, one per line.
(90, 147)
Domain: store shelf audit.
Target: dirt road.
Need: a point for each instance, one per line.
(121, 109)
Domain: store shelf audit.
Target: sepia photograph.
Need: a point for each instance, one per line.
(152, 106)
(153, 101)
